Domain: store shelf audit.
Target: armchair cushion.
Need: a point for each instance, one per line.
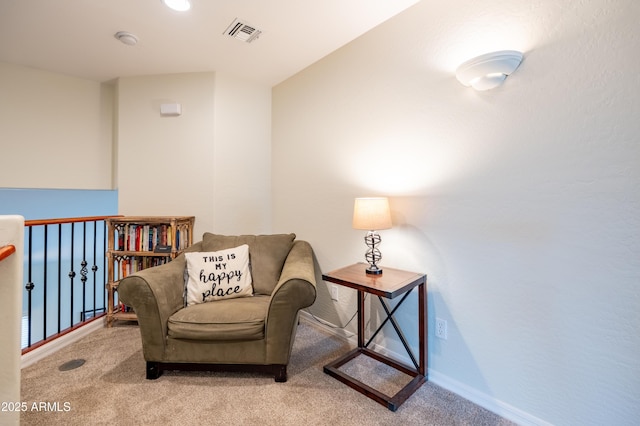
(217, 275)
(224, 320)
(267, 255)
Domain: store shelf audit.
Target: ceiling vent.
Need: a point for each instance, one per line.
(242, 31)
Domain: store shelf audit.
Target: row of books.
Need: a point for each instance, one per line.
(124, 308)
(130, 265)
(140, 237)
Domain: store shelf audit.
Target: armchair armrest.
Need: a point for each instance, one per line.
(295, 290)
(154, 294)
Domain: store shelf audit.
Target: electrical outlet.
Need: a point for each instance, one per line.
(334, 292)
(441, 328)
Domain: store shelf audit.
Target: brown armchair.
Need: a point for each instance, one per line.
(245, 333)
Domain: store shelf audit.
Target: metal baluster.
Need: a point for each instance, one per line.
(59, 276)
(84, 270)
(72, 274)
(30, 286)
(44, 283)
(94, 268)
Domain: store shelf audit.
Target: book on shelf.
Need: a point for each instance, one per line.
(145, 237)
(124, 308)
(132, 264)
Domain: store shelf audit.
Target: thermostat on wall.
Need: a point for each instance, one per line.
(170, 110)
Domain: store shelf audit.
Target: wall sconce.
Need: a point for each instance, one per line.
(490, 70)
(372, 214)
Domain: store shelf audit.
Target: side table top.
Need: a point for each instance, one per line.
(391, 283)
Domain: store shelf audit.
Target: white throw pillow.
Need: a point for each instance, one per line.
(223, 274)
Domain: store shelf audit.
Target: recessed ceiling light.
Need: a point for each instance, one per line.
(179, 5)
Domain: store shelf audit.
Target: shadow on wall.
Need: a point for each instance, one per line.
(413, 244)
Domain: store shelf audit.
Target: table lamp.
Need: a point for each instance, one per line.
(372, 214)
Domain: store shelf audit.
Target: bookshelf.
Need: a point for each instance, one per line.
(135, 243)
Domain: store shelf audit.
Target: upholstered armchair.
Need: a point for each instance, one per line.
(223, 328)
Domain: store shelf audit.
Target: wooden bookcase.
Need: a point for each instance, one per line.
(139, 242)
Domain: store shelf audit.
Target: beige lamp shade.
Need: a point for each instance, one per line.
(371, 213)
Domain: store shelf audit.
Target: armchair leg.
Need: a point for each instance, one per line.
(153, 370)
(280, 372)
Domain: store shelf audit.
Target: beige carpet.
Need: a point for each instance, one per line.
(110, 388)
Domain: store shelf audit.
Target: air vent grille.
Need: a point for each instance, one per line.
(242, 31)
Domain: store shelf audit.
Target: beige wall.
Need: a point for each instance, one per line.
(162, 161)
(242, 157)
(213, 161)
(521, 204)
(11, 274)
(55, 130)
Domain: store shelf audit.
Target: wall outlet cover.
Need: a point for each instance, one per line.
(441, 328)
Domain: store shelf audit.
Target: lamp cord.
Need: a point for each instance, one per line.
(328, 324)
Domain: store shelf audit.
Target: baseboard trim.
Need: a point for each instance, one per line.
(484, 400)
(492, 404)
(43, 351)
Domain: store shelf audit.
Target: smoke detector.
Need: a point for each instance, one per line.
(242, 31)
(126, 38)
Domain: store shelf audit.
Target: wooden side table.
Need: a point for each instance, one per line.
(390, 284)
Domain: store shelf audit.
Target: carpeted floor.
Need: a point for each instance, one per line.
(110, 388)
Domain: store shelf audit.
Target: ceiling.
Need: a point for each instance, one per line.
(76, 37)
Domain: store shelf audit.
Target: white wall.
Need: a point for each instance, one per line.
(211, 162)
(55, 130)
(521, 204)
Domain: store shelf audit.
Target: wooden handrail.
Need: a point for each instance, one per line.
(6, 251)
(38, 222)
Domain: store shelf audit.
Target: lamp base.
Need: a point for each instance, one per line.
(373, 270)
(373, 255)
